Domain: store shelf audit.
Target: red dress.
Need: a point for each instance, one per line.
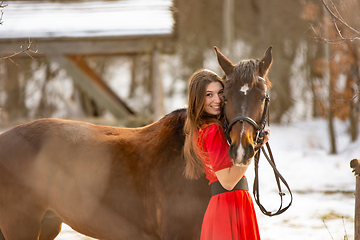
(229, 215)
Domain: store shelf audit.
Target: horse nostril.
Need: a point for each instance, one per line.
(245, 154)
(249, 153)
(233, 151)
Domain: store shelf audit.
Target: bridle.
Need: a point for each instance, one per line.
(258, 128)
(259, 139)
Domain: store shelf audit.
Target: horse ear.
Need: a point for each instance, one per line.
(265, 62)
(226, 65)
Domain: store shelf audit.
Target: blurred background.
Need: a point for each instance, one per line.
(127, 63)
(128, 59)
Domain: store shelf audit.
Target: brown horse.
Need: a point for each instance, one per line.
(110, 182)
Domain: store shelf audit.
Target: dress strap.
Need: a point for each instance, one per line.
(216, 187)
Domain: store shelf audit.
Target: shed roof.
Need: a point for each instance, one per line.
(95, 18)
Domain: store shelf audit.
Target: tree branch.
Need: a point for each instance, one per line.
(2, 5)
(341, 39)
(337, 16)
(26, 50)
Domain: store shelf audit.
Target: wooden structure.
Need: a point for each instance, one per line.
(355, 165)
(67, 32)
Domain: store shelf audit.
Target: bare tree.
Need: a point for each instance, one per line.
(337, 18)
(26, 49)
(341, 38)
(340, 25)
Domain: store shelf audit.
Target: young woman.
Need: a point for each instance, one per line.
(230, 214)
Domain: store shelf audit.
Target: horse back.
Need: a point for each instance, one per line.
(93, 175)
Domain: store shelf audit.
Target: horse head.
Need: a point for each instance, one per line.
(246, 99)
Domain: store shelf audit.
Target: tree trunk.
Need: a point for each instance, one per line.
(330, 81)
(332, 131)
(157, 86)
(228, 26)
(354, 124)
(14, 106)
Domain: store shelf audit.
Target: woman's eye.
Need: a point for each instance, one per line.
(209, 95)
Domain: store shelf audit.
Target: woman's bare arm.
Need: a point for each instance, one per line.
(229, 177)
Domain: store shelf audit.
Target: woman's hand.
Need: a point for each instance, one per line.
(266, 138)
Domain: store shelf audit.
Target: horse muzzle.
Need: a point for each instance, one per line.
(241, 155)
(243, 151)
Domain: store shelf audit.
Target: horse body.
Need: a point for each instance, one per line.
(119, 183)
(104, 182)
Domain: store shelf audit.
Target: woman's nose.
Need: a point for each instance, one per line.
(217, 99)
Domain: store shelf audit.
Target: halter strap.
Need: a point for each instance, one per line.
(278, 178)
(258, 128)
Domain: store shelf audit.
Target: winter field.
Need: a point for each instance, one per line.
(323, 185)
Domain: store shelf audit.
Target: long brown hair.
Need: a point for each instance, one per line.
(196, 117)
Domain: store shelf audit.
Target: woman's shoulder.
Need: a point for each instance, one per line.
(212, 135)
(212, 125)
(210, 128)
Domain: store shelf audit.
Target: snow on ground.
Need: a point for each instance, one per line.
(322, 184)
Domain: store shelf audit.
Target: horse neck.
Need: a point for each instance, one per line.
(168, 130)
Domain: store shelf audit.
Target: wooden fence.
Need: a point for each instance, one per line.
(355, 165)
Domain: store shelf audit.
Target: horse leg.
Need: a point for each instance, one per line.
(1, 235)
(25, 227)
(30, 226)
(50, 226)
(20, 213)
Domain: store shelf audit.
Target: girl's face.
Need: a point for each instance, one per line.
(213, 96)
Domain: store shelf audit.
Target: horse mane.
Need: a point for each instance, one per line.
(171, 126)
(177, 117)
(247, 72)
(165, 138)
(181, 112)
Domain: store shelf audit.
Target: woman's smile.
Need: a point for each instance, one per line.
(212, 103)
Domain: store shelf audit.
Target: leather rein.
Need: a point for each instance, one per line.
(259, 139)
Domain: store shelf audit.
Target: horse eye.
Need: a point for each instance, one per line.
(224, 98)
